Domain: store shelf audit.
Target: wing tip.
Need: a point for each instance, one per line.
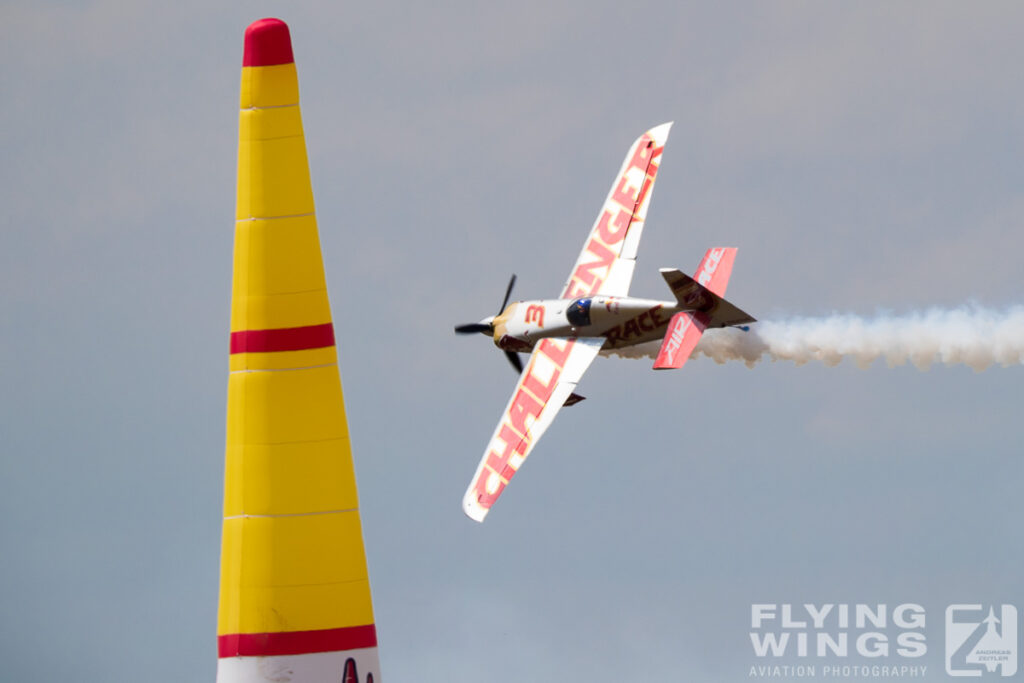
(660, 132)
(473, 509)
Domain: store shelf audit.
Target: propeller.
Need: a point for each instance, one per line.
(508, 293)
(514, 359)
(473, 328)
(486, 326)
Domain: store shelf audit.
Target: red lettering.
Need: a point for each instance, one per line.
(614, 335)
(710, 265)
(535, 312)
(513, 443)
(557, 355)
(630, 329)
(625, 194)
(523, 405)
(640, 321)
(541, 391)
(656, 318)
(483, 496)
(621, 223)
(630, 201)
(645, 151)
(611, 228)
(499, 463)
(575, 289)
(585, 271)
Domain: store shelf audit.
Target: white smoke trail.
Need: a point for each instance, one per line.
(973, 336)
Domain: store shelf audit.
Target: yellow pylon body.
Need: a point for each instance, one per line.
(294, 589)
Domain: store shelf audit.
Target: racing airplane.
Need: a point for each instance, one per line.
(594, 314)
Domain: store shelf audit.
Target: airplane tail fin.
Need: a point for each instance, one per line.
(714, 269)
(703, 297)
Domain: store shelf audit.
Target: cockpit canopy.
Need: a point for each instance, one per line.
(578, 313)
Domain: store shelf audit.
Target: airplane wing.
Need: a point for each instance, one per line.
(605, 266)
(550, 375)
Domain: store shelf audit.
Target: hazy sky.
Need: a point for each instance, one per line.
(864, 157)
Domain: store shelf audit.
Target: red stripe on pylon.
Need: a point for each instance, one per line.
(296, 642)
(283, 339)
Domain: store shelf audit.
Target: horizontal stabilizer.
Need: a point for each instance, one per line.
(715, 311)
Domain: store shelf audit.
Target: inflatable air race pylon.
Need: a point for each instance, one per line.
(294, 591)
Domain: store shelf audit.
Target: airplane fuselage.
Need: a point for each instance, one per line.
(623, 321)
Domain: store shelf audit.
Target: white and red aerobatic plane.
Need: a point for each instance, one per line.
(592, 314)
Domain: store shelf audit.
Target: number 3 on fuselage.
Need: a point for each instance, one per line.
(605, 266)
